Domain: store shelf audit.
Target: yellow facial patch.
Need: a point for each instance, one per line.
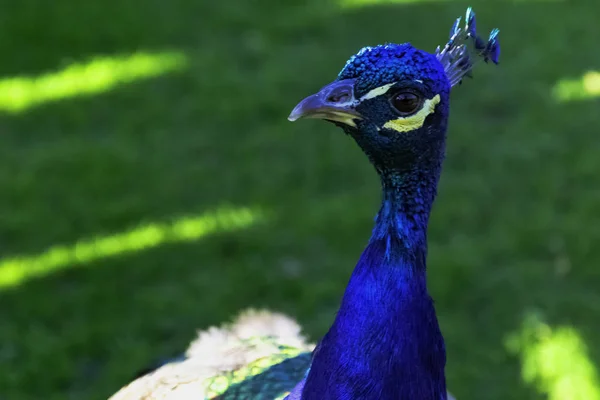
(414, 121)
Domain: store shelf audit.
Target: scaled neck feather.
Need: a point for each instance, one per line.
(406, 205)
(385, 342)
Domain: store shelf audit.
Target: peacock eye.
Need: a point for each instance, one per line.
(406, 103)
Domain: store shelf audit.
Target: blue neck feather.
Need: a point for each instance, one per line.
(385, 342)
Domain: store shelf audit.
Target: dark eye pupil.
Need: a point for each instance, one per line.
(406, 102)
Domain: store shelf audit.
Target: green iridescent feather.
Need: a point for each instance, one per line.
(260, 356)
(271, 379)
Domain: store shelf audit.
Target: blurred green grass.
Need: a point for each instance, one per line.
(514, 227)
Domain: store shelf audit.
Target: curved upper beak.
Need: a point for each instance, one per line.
(335, 102)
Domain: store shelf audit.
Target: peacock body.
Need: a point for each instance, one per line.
(385, 342)
(261, 355)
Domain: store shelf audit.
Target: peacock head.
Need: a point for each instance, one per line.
(393, 99)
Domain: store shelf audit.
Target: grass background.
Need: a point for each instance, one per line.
(514, 228)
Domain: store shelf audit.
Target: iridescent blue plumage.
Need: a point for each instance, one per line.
(492, 49)
(470, 23)
(385, 342)
(455, 27)
(457, 57)
(373, 66)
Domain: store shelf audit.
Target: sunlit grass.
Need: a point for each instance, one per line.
(16, 270)
(96, 76)
(588, 86)
(555, 361)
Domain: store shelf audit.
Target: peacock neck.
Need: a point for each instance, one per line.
(406, 205)
(385, 341)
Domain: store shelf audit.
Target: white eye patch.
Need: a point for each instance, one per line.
(377, 92)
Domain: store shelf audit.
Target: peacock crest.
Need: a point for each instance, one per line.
(465, 48)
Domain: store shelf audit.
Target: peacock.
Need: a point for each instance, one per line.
(385, 341)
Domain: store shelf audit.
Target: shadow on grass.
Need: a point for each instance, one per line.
(511, 228)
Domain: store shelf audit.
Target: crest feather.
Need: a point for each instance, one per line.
(465, 48)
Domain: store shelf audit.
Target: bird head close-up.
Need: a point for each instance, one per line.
(394, 99)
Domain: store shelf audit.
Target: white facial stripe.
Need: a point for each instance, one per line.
(377, 91)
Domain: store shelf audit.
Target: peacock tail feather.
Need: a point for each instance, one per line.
(260, 356)
(271, 379)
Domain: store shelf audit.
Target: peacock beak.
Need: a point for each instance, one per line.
(335, 102)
